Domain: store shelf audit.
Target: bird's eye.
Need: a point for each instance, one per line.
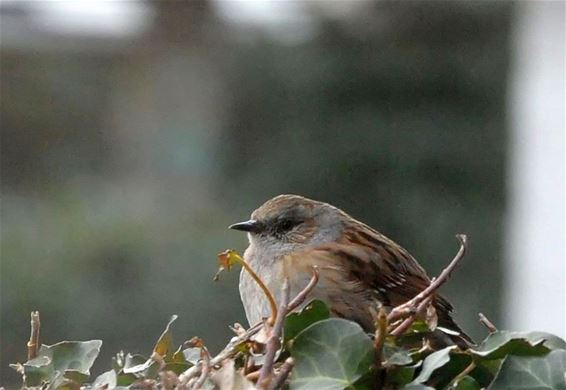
(286, 225)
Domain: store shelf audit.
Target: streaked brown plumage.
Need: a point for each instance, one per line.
(360, 268)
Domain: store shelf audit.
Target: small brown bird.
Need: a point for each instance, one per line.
(360, 269)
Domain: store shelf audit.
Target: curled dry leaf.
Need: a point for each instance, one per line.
(226, 260)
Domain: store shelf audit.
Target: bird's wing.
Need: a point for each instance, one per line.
(394, 279)
(370, 265)
(376, 262)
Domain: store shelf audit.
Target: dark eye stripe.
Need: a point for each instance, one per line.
(285, 225)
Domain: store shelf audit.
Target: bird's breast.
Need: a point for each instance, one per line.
(266, 266)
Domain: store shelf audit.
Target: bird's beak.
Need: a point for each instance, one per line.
(251, 226)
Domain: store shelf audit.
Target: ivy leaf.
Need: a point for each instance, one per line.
(138, 366)
(502, 343)
(416, 386)
(532, 373)
(401, 375)
(296, 322)
(164, 345)
(177, 362)
(331, 354)
(433, 362)
(192, 355)
(395, 356)
(71, 359)
(467, 383)
(107, 380)
(72, 355)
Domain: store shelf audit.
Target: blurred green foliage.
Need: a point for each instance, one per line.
(121, 167)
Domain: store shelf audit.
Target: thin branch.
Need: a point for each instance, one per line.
(407, 322)
(205, 368)
(487, 323)
(411, 305)
(229, 351)
(33, 343)
(380, 319)
(238, 329)
(283, 374)
(460, 376)
(301, 296)
(273, 342)
(252, 376)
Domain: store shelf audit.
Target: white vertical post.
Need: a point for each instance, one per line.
(535, 268)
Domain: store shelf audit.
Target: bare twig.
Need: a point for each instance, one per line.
(410, 306)
(301, 296)
(253, 376)
(407, 322)
(487, 323)
(279, 380)
(238, 329)
(461, 375)
(33, 343)
(273, 343)
(205, 368)
(380, 319)
(228, 352)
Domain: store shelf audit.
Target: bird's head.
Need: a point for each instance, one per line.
(288, 223)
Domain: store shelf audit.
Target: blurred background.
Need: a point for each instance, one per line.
(134, 132)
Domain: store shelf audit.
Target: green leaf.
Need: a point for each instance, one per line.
(296, 322)
(331, 354)
(71, 359)
(176, 367)
(132, 362)
(177, 362)
(164, 345)
(72, 355)
(532, 373)
(395, 356)
(467, 383)
(485, 371)
(140, 367)
(125, 379)
(416, 386)
(502, 343)
(192, 355)
(400, 375)
(107, 380)
(550, 341)
(433, 362)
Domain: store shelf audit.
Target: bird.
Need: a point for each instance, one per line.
(360, 269)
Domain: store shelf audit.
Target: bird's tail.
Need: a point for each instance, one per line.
(448, 326)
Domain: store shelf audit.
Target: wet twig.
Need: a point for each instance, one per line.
(279, 380)
(411, 307)
(274, 343)
(33, 343)
(301, 296)
(487, 323)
